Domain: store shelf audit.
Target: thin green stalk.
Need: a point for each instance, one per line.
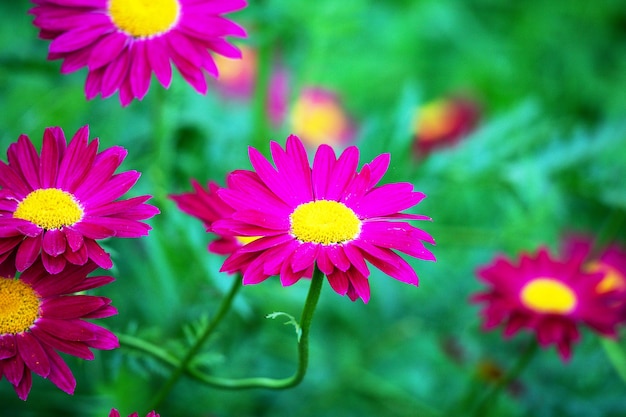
(514, 372)
(261, 122)
(616, 356)
(163, 158)
(245, 383)
(192, 352)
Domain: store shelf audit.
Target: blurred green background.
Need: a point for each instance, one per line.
(549, 156)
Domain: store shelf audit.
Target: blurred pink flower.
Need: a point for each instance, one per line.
(121, 42)
(443, 122)
(115, 413)
(238, 79)
(547, 296)
(207, 206)
(318, 117)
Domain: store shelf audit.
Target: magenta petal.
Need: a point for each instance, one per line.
(54, 242)
(28, 252)
(360, 285)
(98, 255)
(15, 369)
(78, 349)
(50, 158)
(60, 373)
(33, 354)
(23, 387)
(304, 256)
(339, 282)
(78, 257)
(76, 39)
(8, 346)
(73, 307)
(71, 330)
(53, 264)
(73, 238)
(108, 48)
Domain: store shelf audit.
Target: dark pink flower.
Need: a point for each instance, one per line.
(57, 205)
(318, 117)
(444, 122)
(547, 296)
(115, 413)
(207, 206)
(329, 215)
(122, 42)
(42, 314)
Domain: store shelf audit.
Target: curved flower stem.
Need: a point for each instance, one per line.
(494, 391)
(616, 356)
(241, 383)
(191, 353)
(303, 351)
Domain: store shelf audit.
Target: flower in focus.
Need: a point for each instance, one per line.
(121, 42)
(55, 206)
(318, 117)
(443, 122)
(329, 215)
(40, 314)
(548, 296)
(611, 262)
(115, 413)
(206, 205)
(238, 80)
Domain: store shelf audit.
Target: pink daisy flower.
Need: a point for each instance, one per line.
(40, 315)
(121, 42)
(444, 122)
(548, 296)
(55, 206)
(115, 413)
(207, 206)
(329, 215)
(318, 117)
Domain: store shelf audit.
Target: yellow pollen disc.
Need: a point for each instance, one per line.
(612, 280)
(19, 306)
(49, 208)
(244, 240)
(434, 120)
(547, 295)
(144, 18)
(324, 221)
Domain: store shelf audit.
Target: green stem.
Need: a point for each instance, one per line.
(191, 353)
(261, 122)
(241, 383)
(303, 351)
(610, 229)
(162, 139)
(494, 391)
(616, 356)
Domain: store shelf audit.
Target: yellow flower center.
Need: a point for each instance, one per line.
(547, 295)
(19, 306)
(49, 208)
(612, 280)
(144, 18)
(434, 120)
(324, 221)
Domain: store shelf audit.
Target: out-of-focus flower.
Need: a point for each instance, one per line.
(41, 314)
(115, 413)
(238, 79)
(55, 206)
(318, 117)
(443, 122)
(121, 42)
(206, 205)
(611, 262)
(329, 215)
(548, 296)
